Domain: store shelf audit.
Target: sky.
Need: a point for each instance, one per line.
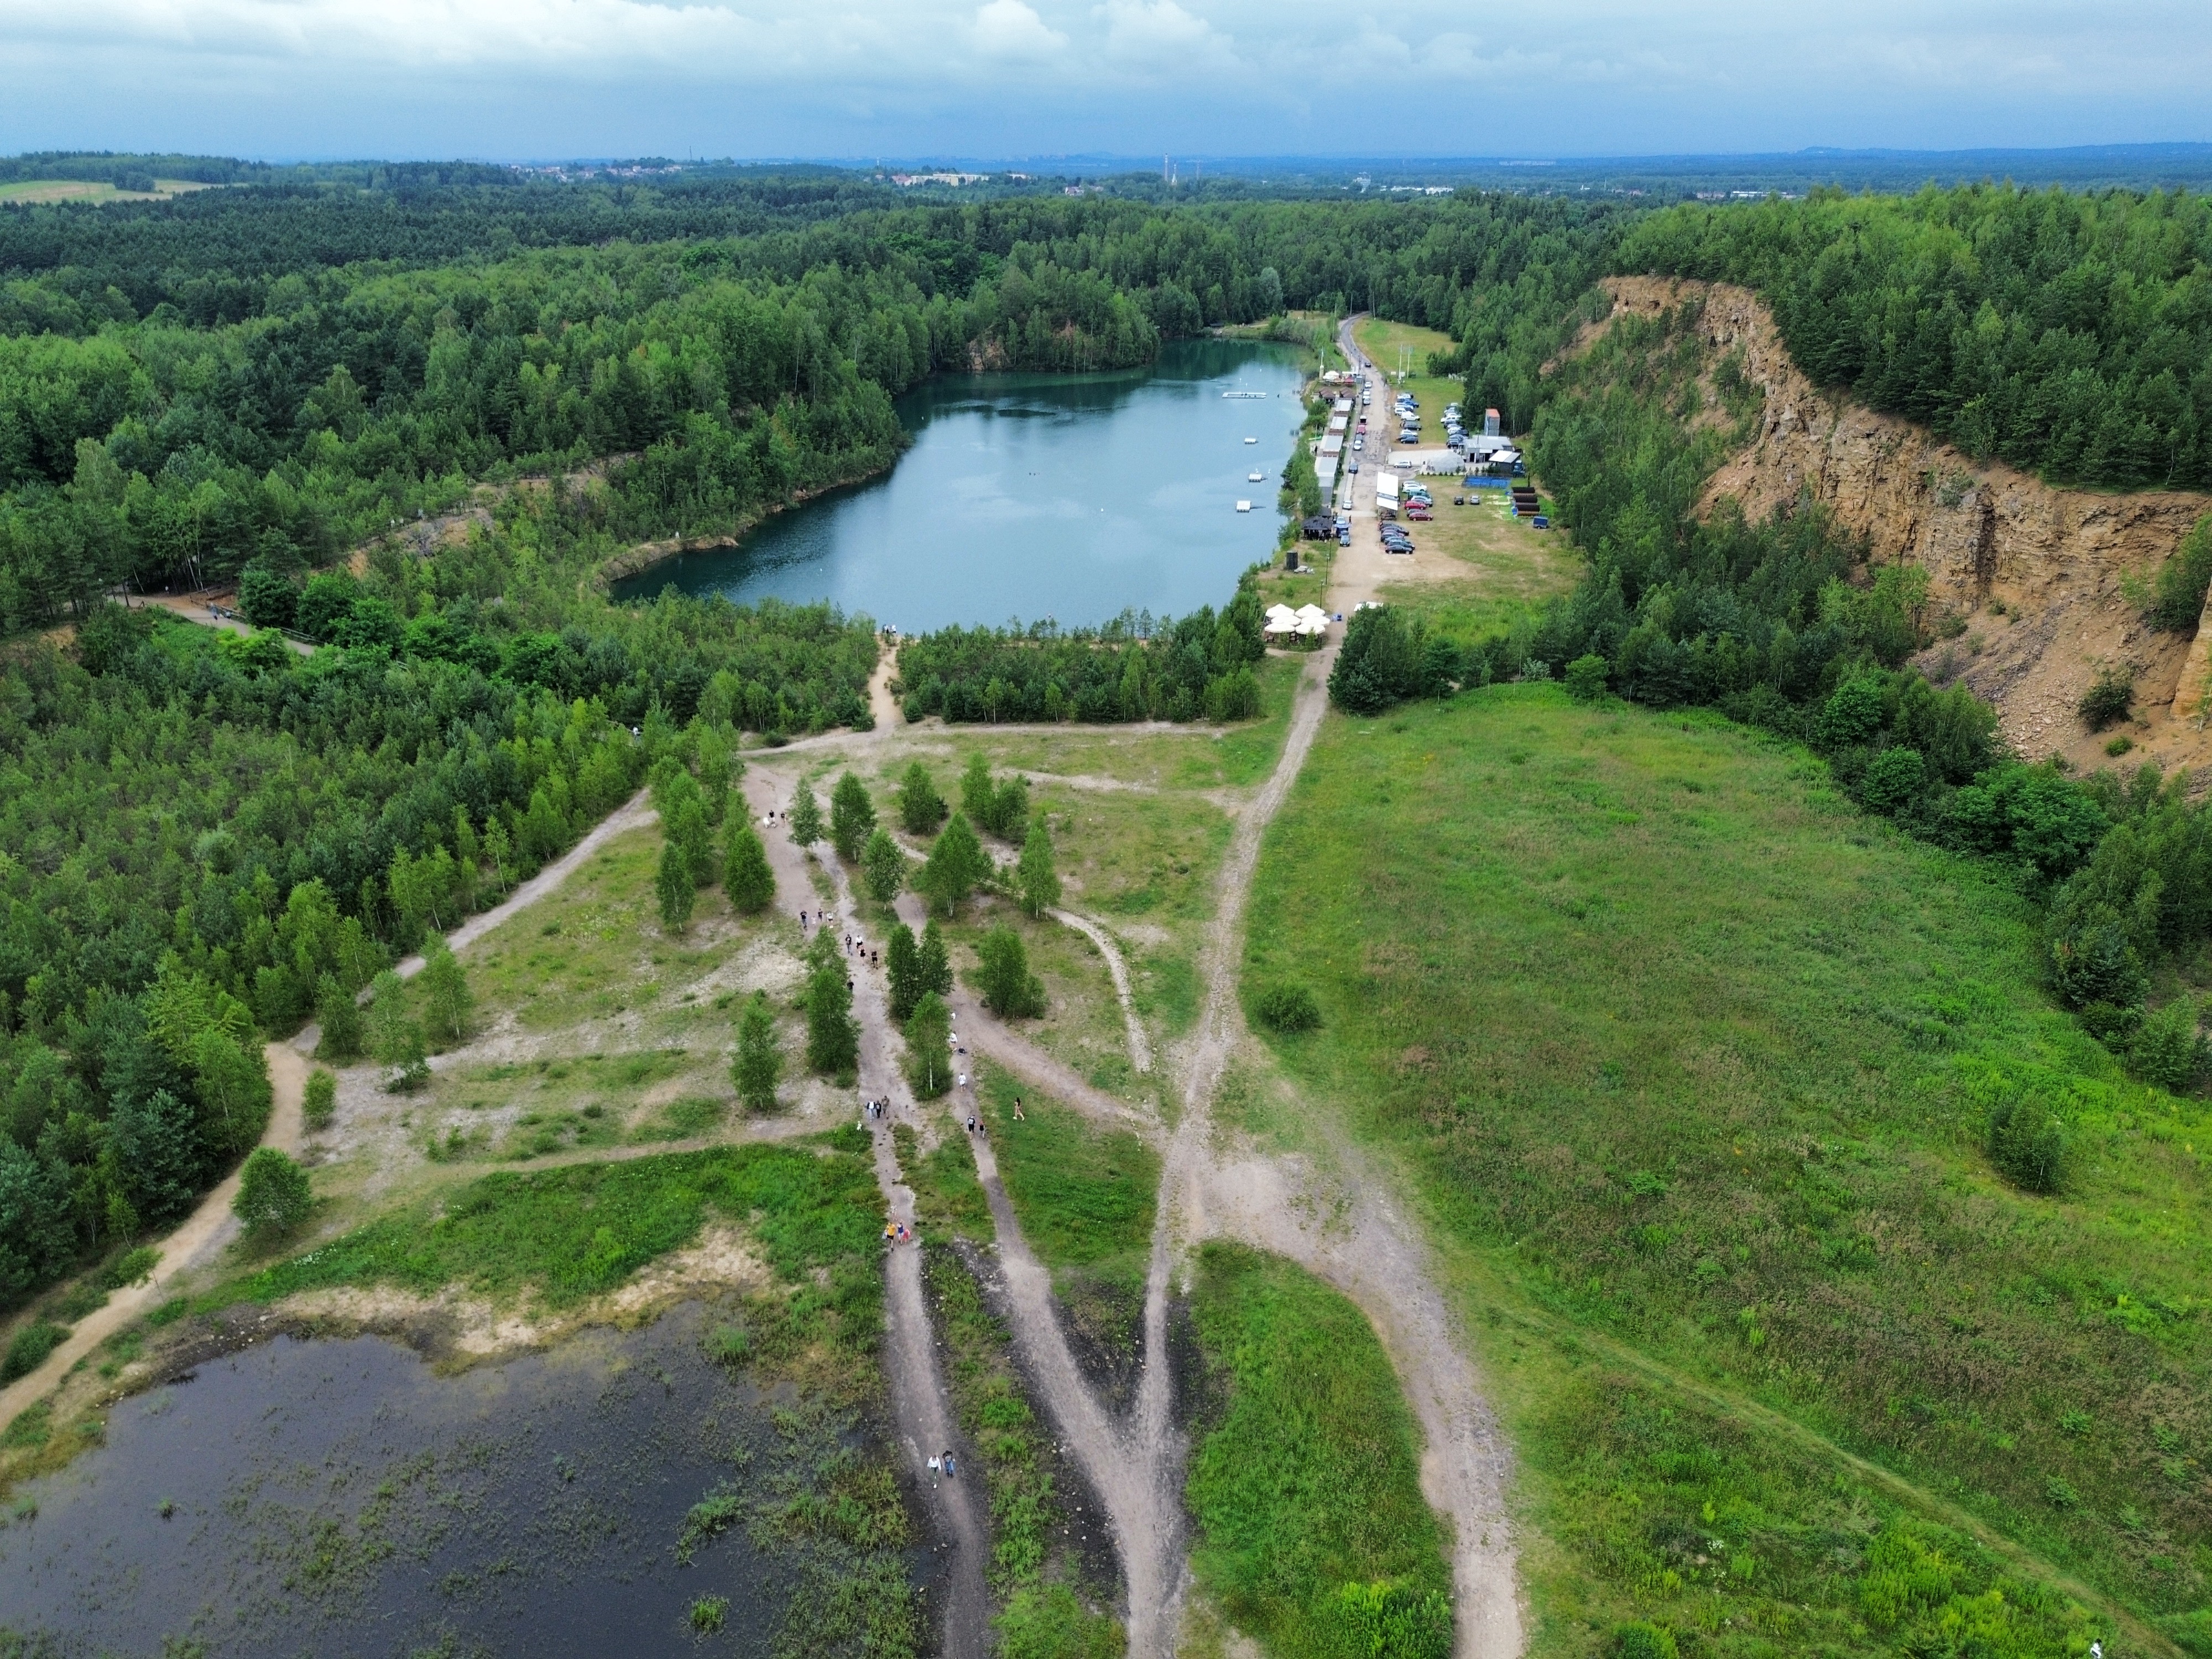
(906, 80)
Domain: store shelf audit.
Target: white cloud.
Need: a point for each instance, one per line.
(1009, 78)
(1161, 36)
(1011, 32)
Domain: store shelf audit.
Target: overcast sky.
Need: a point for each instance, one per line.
(903, 79)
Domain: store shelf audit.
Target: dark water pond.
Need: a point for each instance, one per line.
(339, 1497)
(1034, 495)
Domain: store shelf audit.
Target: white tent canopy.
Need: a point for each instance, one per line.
(1313, 613)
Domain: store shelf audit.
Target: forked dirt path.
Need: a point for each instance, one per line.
(921, 1405)
(211, 1226)
(1140, 1048)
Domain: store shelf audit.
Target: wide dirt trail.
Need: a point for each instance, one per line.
(1347, 1232)
(921, 1405)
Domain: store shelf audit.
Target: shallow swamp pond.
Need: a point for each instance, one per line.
(341, 1497)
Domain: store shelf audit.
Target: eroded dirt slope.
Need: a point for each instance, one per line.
(2036, 571)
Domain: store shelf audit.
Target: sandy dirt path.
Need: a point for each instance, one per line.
(196, 610)
(921, 1405)
(203, 1235)
(884, 706)
(633, 814)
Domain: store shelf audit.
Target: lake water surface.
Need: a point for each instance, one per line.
(1034, 495)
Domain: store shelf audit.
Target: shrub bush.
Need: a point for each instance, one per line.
(2028, 1145)
(1287, 1008)
(1585, 677)
(1641, 1640)
(2169, 1051)
(30, 1348)
(320, 1104)
(2183, 579)
(1893, 779)
(1393, 1621)
(272, 1193)
(2106, 702)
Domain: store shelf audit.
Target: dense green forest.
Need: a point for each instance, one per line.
(207, 834)
(1194, 667)
(2066, 334)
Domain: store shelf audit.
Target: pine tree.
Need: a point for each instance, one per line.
(675, 887)
(922, 809)
(956, 864)
(1037, 875)
(806, 817)
(833, 1042)
(929, 1046)
(747, 880)
(977, 796)
(934, 964)
(883, 866)
(902, 966)
(447, 1002)
(759, 1064)
(1010, 990)
(852, 815)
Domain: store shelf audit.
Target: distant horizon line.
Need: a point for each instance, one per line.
(1094, 161)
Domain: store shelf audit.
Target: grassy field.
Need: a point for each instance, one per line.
(1304, 1477)
(552, 1238)
(84, 190)
(1085, 1195)
(1479, 567)
(1384, 343)
(1692, 1064)
(595, 1026)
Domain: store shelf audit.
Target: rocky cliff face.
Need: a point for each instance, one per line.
(2036, 572)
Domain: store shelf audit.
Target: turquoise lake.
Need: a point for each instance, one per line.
(1036, 496)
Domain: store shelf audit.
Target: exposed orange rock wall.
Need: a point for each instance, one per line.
(2036, 570)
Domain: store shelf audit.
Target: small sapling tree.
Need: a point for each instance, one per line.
(903, 966)
(1036, 875)
(676, 890)
(883, 866)
(957, 865)
(929, 1046)
(806, 817)
(1010, 990)
(759, 1064)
